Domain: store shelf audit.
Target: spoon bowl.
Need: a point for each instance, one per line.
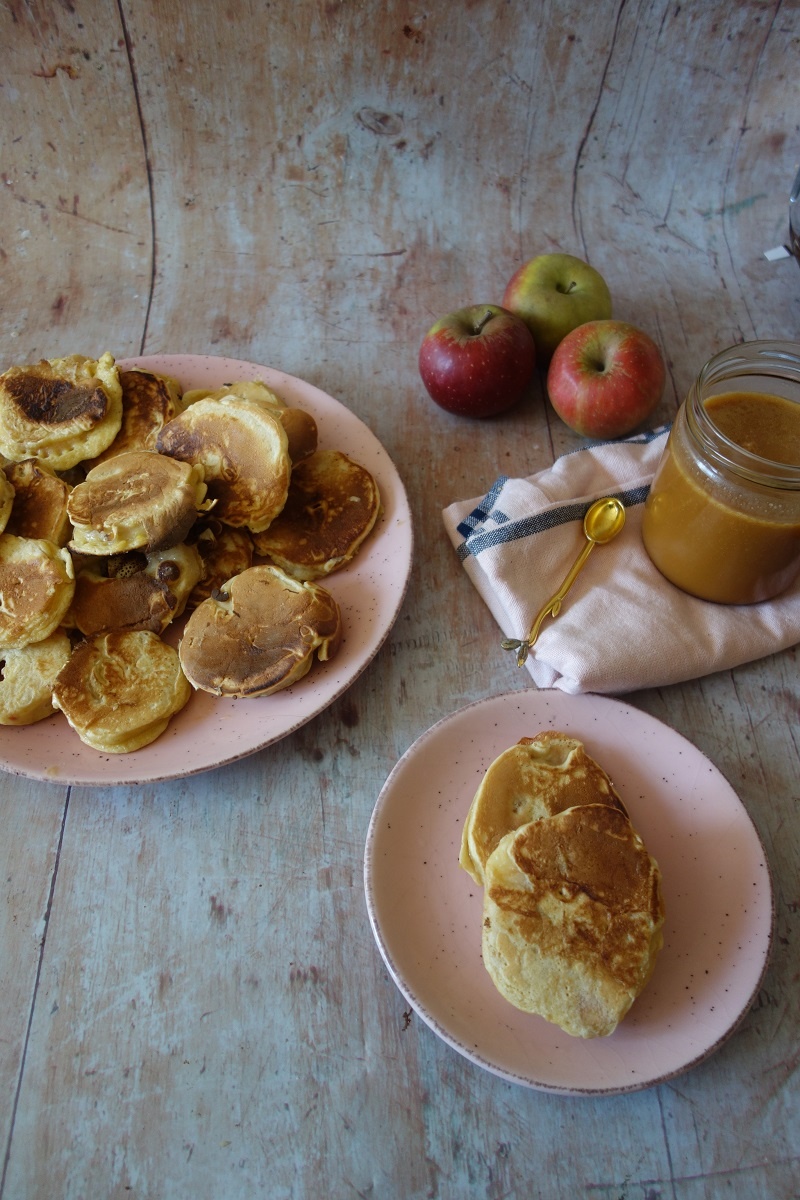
(604, 520)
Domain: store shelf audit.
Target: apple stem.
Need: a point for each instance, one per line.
(487, 316)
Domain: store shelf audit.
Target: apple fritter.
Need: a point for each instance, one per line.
(331, 508)
(300, 426)
(37, 581)
(242, 448)
(27, 678)
(40, 502)
(260, 633)
(572, 918)
(149, 400)
(537, 777)
(119, 690)
(224, 552)
(60, 410)
(139, 500)
(134, 591)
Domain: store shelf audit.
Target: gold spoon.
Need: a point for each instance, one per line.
(603, 521)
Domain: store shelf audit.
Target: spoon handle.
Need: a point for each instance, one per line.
(553, 605)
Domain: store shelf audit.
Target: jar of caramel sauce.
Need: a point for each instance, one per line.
(722, 520)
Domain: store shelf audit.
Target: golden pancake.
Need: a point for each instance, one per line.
(139, 500)
(119, 690)
(40, 502)
(246, 389)
(243, 450)
(572, 918)
(224, 551)
(148, 402)
(37, 581)
(27, 677)
(332, 506)
(138, 592)
(60, 410)
(300, 426)
(536, 778)
(6, 497)
(259, 634)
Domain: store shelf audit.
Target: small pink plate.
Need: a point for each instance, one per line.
(426, 912)
(210, 732)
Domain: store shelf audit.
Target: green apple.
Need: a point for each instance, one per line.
(553, 294)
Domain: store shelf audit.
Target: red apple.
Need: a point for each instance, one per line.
(477, 361)
(554, 293)
(605, 378)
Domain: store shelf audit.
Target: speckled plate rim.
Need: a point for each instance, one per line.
(425, 911)
(211, 732)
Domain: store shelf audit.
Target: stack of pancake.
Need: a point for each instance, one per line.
(572, 905)
(125, 503)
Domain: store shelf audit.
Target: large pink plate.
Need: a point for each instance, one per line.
(425, 910)
(210, 731)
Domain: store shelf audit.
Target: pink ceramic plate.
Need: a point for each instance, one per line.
(425, 910)
(209, 731)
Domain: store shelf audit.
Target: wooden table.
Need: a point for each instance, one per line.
(192, 1001)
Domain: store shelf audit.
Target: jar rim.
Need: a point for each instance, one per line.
(778, 359)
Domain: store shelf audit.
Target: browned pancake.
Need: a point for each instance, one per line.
(27, 676)
(332, 506)
(144, 592)
(148, 402)
(135, 501)
(300, 426)
(572, 918)
(243, 450)
(259, 634)
(36, 586)
(537, 777)
(301, 432)
(60, 410)
(119, 690)
(40, 502)
(224, 552)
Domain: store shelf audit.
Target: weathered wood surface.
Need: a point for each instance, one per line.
(192, 1000)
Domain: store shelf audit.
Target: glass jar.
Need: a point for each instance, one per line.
(722, 520)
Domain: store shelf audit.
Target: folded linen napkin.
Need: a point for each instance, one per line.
(622, 626)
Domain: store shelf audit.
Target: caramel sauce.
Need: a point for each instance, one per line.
(724, 540)
(768, 426)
